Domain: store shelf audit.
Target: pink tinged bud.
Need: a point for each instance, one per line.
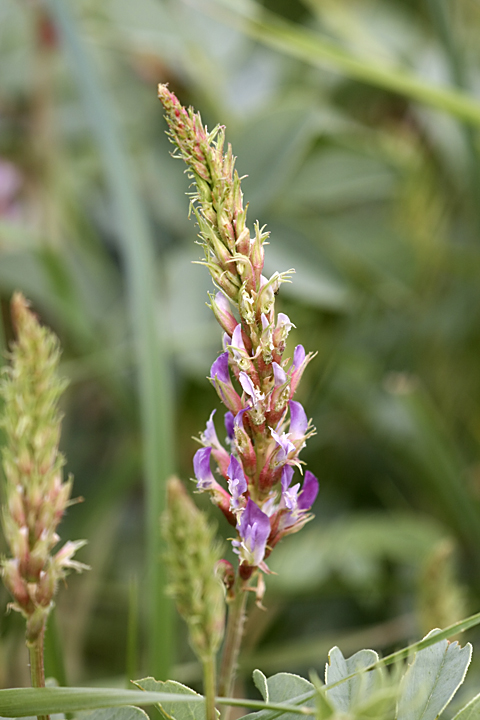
(237, 483)
(46, 587)
(201, 468)
(63, 559)
(222, 311)
(257, 254)
(19, 545)
(253, 529)
(244, 444)
(15, 583)
(15, 505)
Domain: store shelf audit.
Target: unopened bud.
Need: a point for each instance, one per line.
(192, 557)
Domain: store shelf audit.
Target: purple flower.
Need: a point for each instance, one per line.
(254, 529)
(220, 369)
(237, 483)
(287, 475)
(209, 436)
(220, 377)
(229, 424)
(279, 374)
(298, 356)
(250, 389)
(298, 420)
(284, 324)
(201, 467)
(309, 492)
(284, 444)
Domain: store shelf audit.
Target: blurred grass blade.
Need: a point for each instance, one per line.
(312, 48)
(20, 702)
(153, 368)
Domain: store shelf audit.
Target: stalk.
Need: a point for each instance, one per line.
(209, 686)
(37, 669)
(233, 639)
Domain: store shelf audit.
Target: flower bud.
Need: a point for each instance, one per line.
(192, 557)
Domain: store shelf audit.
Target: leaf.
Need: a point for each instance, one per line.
(282, 688)
(471, 711)
(123, 713)
(171, 709)
(356, 691)
(432, 679)
(261, 683)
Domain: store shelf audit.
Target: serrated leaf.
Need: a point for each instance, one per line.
(260, 682)
(432, 680)
(358, 690)
(471, 711)
(173, 710)
(123, 713)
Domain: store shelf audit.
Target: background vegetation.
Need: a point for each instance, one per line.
(357, 125)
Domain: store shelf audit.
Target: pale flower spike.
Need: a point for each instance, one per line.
(36, 496)
(266, 429)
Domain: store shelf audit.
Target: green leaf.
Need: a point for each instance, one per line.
(178, 711)
(124, 713)
(358, 690)
(261, 683)
(282, 688)
(471, 711)
(433, 679)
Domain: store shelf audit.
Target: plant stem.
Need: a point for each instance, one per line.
(37, 671)
(231, 648)
(209, 687)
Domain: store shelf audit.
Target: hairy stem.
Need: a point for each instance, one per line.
(233, 639)
(37, 671)
(209, 686)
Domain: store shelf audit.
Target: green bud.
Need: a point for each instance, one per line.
(192, 557)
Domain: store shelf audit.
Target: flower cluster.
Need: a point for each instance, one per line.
(265, 428)
(36, 496)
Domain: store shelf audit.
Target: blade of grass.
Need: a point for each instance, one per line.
(20, 702)
(153, 367)
(439, 11)
(304, 44)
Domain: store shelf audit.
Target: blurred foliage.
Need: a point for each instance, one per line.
(371, 194)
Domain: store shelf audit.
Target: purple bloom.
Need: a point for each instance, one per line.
(254, 529)
(237, 483)
(250, 389)
(220, 368)
(287, 475)
(279, 374)
(201, 467)
(309, 492)
(229, 424)
(298, 420)
(284, 444)
(209, 436)
(283, 323)
(298, 356)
